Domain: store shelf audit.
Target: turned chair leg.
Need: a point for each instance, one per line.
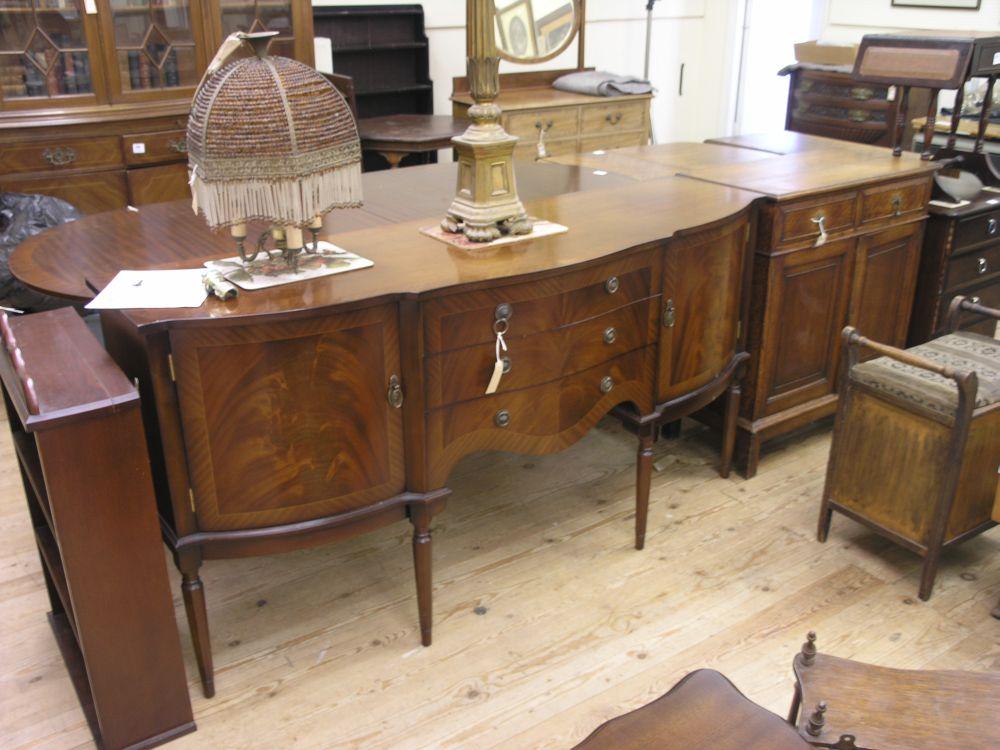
(643, 478)
(420, 517)
(729, 430)
(197, 616)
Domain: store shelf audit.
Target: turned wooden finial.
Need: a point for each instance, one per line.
(815, 726)
(809, 649)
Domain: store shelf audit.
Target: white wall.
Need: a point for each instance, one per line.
(697, 33)
(849, 20)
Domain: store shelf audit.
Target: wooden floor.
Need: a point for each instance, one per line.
(547, 622)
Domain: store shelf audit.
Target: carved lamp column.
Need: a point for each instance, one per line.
(486, 204)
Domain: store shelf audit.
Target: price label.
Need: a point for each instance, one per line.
(90, 7)
(138, 148)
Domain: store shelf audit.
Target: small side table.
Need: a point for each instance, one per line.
(849, 705)
(395, 136)
(704, 711)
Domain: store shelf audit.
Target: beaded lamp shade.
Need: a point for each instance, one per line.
(270, 139)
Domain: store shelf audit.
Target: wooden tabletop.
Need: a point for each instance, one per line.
(61, 260)
(704, 711)
(410, 132)
(790, 142)
(651, 162)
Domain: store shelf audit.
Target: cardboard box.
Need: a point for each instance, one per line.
(825, 54)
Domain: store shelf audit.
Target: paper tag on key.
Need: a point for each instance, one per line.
(497, 366)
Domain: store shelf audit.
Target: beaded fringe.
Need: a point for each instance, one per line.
(284, 202)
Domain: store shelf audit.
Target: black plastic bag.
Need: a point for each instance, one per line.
(22, 216)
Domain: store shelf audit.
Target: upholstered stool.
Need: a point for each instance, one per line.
(848, 705)
(917, 440)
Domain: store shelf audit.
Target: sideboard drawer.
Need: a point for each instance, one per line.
(68, 153)
(798, 221)
(460, 320)
(895, 199)
(558, 122)
(977, 229)
(969, 267)
(614, 117)
(155, 148)
(463, 374)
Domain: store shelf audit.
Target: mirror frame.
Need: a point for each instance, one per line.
(579, 23)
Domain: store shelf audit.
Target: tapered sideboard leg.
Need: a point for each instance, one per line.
(197, 615)
(420, 517)
(643, 477)
(729, 429)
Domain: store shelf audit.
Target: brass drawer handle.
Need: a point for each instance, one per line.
(501, 418)
(59, 156)
(862, 94)
(395, 393)
(992, 226)
(974, 300)
(858, 115)
(982, 266)
(180, 145)
(611, 285)
(501, 318)
(544, 127)
(897, 205)
(610, 335)
(506, 364)
(614, 119)
(607, 383)
(669, 314)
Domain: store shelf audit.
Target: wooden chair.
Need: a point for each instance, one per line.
(916, 441)
(704, 711)
(855, 706)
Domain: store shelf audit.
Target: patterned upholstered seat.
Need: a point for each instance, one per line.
(931, 392)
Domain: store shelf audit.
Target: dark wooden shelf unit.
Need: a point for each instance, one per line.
(75, 423)
(384, 49)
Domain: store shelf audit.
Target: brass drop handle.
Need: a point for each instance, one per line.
(501, 418)
(610, 335)
(992, 226)
(611, 285)
(544, 127)
(858, 115)
(395, 393)
(506, 364)
(982, 266)
(503, 311)
(669, 314)
(59, 156)
(897, 205)
(862, 94)
(613, 119)
(180, 146)
(607, 383)
(820, 221)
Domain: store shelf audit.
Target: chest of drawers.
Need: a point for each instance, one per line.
(559, 122)
(961, 255)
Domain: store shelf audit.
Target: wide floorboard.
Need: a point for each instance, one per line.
(547, 622)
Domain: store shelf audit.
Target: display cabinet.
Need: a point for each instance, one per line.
(95, 93)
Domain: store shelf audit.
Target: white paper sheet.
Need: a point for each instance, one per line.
(131, 290)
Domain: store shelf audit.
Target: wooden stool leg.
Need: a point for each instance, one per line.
(197, 615)
(729, 429)
(643, 478)
(420, 517)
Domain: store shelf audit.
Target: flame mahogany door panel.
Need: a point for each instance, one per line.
(288, 422)
(702, 295)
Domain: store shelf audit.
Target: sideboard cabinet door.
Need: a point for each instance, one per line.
(289, 422)
(885, 275)
(700, 315)
(807, 300)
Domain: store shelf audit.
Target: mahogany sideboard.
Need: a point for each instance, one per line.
(322, 409)
(838, 241)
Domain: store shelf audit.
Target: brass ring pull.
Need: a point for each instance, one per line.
(395, 393)
(613, 119)
(992, 226)
(611, 285)
(59, 156)
(180, 146)
(607, 383)
(982, 266)
(897, 205)
(501, 418)
(610, 335)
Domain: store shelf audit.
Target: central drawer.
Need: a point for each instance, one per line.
(799, 221)
(456, 321)
(559, 122)
(612, 118)
(463, 374)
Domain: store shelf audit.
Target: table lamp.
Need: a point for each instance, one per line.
(270, 139)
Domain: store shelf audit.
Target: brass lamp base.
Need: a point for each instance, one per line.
(486, 205)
